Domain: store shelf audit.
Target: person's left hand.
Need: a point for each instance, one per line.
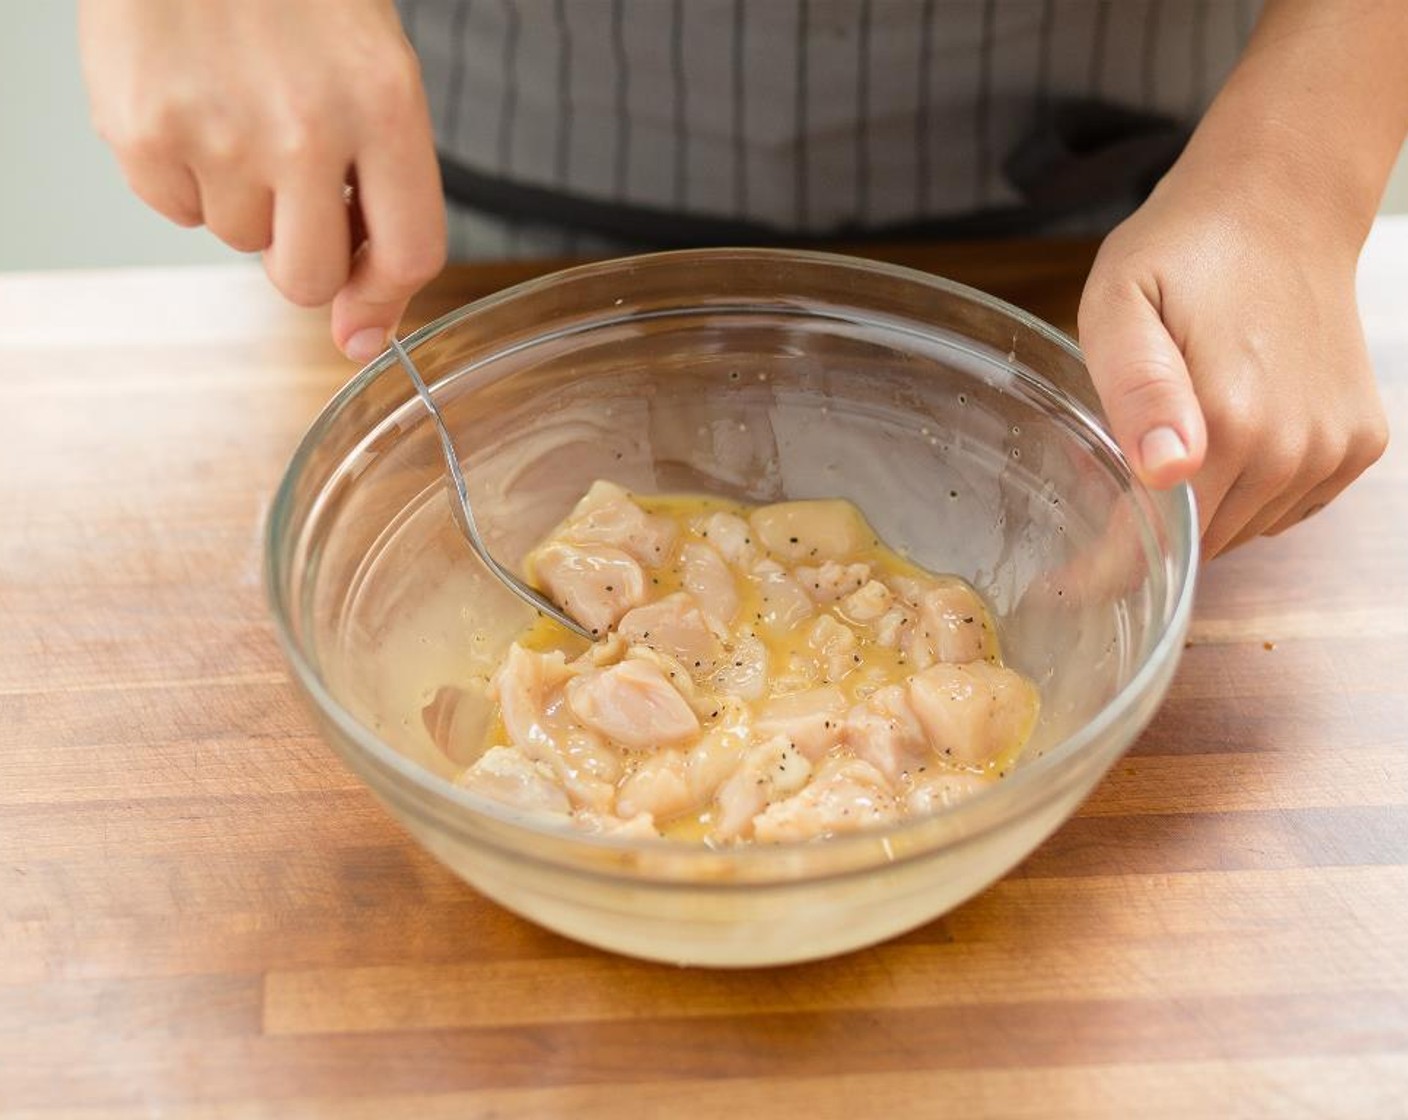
(1221, 331)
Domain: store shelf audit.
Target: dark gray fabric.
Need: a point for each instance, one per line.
(782, 119)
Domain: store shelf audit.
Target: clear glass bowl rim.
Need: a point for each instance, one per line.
(1020, 793)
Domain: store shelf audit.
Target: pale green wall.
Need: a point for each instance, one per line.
(62, 200)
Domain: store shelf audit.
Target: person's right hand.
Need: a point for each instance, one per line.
(251, 116)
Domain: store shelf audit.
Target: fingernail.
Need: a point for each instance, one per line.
(1161, 447)
(365, 345)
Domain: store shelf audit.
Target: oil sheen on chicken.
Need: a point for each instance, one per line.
(760, 675)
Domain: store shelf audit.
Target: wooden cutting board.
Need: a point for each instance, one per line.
(203, 913)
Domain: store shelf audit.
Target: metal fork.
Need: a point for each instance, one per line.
(464, 515)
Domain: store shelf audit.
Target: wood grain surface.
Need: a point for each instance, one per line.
(203, 914)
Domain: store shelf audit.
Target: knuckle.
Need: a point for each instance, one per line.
(1236, 417)
(172, 209)
(391, 90)
(241, 230)
(298, 140)
(224, 141)
(1106, 286)
(414, 265)
(307, 290)
(1151, 374)
(1368, 445)
(304, 130)
(147, 144)
(242, 240)
(304, 279)
(1280, 464)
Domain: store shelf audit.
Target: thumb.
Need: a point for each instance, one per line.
(1143, 382)
(372, 302)
(361, 326)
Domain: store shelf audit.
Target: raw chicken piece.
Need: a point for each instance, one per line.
(952, 626)
(607, 516)
(844, 795)
(743, 672)
(586, 758)
(701, 702)
(892, 627)
(639, 827)
(596, 585)
(773, 768)
(909, 588)
(528, 688)
(714, 758)
(603, 652)
(523, 687)
(938, 789)
(731, 536)
(785, 603)
(973, 713)
(868, 603)
(798, 673)
(706, 577)
(506, 775)
(835, 645)
(812, 721)
(675, 626)
(832, 581)
(812, 531)
(885, 732)
(633, 704)
(659, 787)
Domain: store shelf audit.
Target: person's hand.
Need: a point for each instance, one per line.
(1221, 331)
(252, 116)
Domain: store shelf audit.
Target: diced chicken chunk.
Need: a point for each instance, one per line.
(844, 795)
(892, 627)
(706, 576)
(596, 585)
(885, 732)
(940, 789)
(811, 720)
(529, 690)
(868, 602)
(773, 768)
(585, 758)
(784, 602)
(507, 775)
(743, 670)
(639, 827)
(607, 516)
(633, 704)
(834, 644)
(523, 686)
(712, 759)
(952, 626)
(831, 581)
(658, 786)
(811, 531)
(675, 626)
(732, 537)
(974, 712)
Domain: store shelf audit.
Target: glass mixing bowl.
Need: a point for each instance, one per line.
(965, 429)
